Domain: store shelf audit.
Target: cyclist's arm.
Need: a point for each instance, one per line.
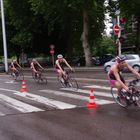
(33, 68)
(132, 70)
(65, 61)
(18, 65)
(40, 65)
(119, 80)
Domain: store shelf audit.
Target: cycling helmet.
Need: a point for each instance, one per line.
(59, 56)
(120, 59)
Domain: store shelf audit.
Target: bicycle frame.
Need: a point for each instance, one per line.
(68, 81)
(17, 74)
(38, 77)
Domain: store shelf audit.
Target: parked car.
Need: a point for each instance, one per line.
(103, 59)
(132, 59)
(81, 61)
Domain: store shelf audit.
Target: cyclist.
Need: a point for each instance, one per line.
(14, 66)
(59, 65)
(115, 77)
(35, 66)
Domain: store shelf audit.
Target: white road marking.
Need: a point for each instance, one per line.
(46, 101)
(23, 107)
(74, 96)
(1, 114)
(97, 86)
(10, 82)
(41, 99)
(105, 94)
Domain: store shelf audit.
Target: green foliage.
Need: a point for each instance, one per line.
(60, 21)
(105, 46)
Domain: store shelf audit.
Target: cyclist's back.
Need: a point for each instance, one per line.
(59, 62)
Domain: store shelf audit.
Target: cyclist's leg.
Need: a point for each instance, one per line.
(60, 75)
(118, 86)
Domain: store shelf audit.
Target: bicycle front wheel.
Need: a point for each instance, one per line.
(119, 99)
(73, 83)
(20, 76)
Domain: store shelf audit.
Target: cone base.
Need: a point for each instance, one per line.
(23, 90)
(91, 105)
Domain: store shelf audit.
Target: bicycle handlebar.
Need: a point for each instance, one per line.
(133, 82)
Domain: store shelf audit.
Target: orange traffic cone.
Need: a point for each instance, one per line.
(91, 103)
(23, 89)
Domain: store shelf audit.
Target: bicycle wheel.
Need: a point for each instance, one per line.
(13, 74)
(62, 82)
(42, 80)
(20, 76)
(35, 77)
(119, 99)
(72, 83)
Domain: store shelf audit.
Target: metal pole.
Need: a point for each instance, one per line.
(4, 36)
(119, 35)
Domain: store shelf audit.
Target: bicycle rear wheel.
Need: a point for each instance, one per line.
(72, 83)
(62, 82)
(35, 77)
(119, 99)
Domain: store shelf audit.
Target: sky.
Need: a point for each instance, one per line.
(107, 22)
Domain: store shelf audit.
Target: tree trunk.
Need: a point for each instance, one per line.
(84, 39)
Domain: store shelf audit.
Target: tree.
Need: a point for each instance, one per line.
(62, 23)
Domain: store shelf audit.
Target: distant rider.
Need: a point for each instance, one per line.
(14, 66)
(59, 65)
(35, 66)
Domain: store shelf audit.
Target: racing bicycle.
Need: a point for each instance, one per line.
(125, 98)
(68, 80)
(39, 77)
(17, 75)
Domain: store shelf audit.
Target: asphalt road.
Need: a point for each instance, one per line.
(49, 112)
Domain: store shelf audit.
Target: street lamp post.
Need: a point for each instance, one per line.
(4, 36)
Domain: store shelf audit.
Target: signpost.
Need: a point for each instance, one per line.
(52, 53)
(116, 29)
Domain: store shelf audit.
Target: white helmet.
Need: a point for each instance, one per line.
(59, 56)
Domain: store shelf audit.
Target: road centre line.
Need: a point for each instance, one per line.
(22, 107)
(74, 96)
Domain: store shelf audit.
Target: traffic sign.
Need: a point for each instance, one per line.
(51, 51)
(116, 29)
